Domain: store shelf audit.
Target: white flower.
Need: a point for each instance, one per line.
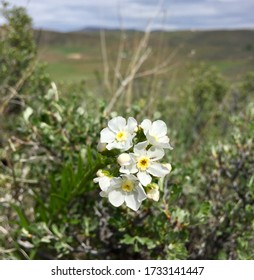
(123, 159)
(119, 134)
(143, 162)
(126, 189)
(153, 192)
(156, 133)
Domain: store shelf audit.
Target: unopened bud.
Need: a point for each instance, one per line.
(136, 129)
(153, 192)
(100, 173)
(124, 159)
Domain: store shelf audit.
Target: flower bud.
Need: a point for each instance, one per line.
(101, 147)
(153, 192)
(100, 173)
(124, 159)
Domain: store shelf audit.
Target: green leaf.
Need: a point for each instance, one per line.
(27, 113)
(204, 211)
(22, 218)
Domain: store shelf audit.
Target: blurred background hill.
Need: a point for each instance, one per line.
(77, 55)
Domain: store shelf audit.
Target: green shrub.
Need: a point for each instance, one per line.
(21, 76)
(225, 178)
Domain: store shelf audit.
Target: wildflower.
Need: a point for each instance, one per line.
(156, 133)
(139, 163)
(119, 133)
(126, 189)
(143, 162)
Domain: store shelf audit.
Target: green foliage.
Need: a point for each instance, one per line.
(226, 179)
(17, 45)
(209, 89)
(20, 73)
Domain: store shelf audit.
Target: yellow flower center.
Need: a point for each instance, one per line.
(121, 136)
(127, 186)
(143, 163)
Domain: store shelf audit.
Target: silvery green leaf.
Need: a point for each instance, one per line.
(27, 113)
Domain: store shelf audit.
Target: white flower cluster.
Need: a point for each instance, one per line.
(140, 149)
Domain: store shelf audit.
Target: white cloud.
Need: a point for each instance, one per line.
(68, 15)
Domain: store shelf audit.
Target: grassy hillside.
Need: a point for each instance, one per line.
(75, 56)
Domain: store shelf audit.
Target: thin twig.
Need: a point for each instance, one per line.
(105, 60)
(15, 89)
(126, 82)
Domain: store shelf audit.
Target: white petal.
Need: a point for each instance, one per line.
(126, 145)
(152, 139)
(116, 124)
(125, 169)
(157, 170)
(141, 193)
(164, 145)
(116, 198)
(159, 128)
(164, 139)
(132, 202)
(132, 124)
(131, 177)
(128, 169)
(107, 136)
(155, 153)
(144, 178)
(96, 180)
(103, 194)
(164, 142)
(146, 124)
(101, 147)
(116, 182)
(115, 145)
(139, 149)
(168, 166)
(104, 183)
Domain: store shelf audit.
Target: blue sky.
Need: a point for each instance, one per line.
(69, 15)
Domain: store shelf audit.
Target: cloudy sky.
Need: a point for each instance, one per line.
(69, 15)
